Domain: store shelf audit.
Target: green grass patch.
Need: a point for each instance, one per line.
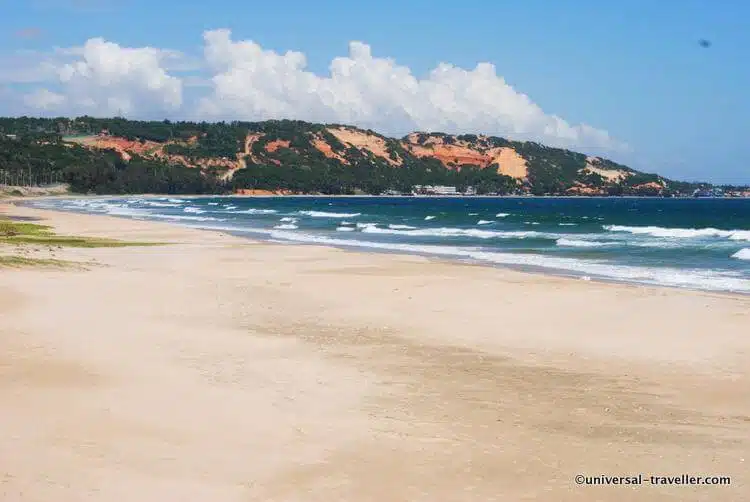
(12, 232)
(10, 261)
(73, 242)
(10, 228)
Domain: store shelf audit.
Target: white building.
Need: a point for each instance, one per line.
(439, 190)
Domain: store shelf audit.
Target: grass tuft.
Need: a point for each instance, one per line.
(12, 232)
(10, 261)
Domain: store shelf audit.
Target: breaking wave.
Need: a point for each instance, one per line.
(664, 276)
(575, 243)
(325, 214)
(256, 211)
(371, 228)
(681, 233)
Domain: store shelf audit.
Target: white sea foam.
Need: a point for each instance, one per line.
(194, 210)
(230, 207)
(365, 225)
(124, 211)
(325, 214)
(153, 203)
(502, 215)
(98, 206)
(428, 218)
(401, 227)
(213, 203)
(568, 224)
(287, 226)
(176, 201)
(287, 219)
(659, 244)
(682, 233)
(253, 210)
(742, 254)
(484, 222)
(184, 218)
(455, 232)
(577, 243)
(345, 229)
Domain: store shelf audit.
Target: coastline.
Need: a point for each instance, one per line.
(222, 367)
(535, 269)
(368, 196)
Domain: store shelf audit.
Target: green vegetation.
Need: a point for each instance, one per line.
(12, 261)
(39, 161)
(219, 141)
(34, 151)
(19, 235)
(76, 242)
(10, 228)
(12, 232)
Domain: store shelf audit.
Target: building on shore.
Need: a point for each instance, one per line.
(708, 192)
(441, 190)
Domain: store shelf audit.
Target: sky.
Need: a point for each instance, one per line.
(627, 80)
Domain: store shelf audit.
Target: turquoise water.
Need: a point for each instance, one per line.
(692, 243)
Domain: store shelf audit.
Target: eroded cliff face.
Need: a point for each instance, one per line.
(594, 165)
(453, 151)
(527, 163)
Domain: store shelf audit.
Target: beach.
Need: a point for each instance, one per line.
(216, 367)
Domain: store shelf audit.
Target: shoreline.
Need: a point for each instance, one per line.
(560, 273)
(221, 368)
(287, 196)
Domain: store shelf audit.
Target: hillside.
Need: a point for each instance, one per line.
(122, 156)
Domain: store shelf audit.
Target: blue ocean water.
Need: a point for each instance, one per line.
(691, 243)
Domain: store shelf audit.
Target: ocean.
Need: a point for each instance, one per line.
(690, 243)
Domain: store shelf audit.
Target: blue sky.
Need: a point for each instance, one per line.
(631, 68)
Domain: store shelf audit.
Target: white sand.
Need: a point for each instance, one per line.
(222, 369)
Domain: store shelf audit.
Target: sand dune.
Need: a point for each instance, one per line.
(217, 368)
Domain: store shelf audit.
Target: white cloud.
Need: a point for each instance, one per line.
(251, 83)
(242, 81)
(104, 78)
(44, 99)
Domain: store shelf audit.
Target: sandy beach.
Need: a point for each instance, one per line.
(219, 368)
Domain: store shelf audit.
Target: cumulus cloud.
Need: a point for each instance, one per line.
(255, 84)
(106, 79)
(240, 80)
(44, 99)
